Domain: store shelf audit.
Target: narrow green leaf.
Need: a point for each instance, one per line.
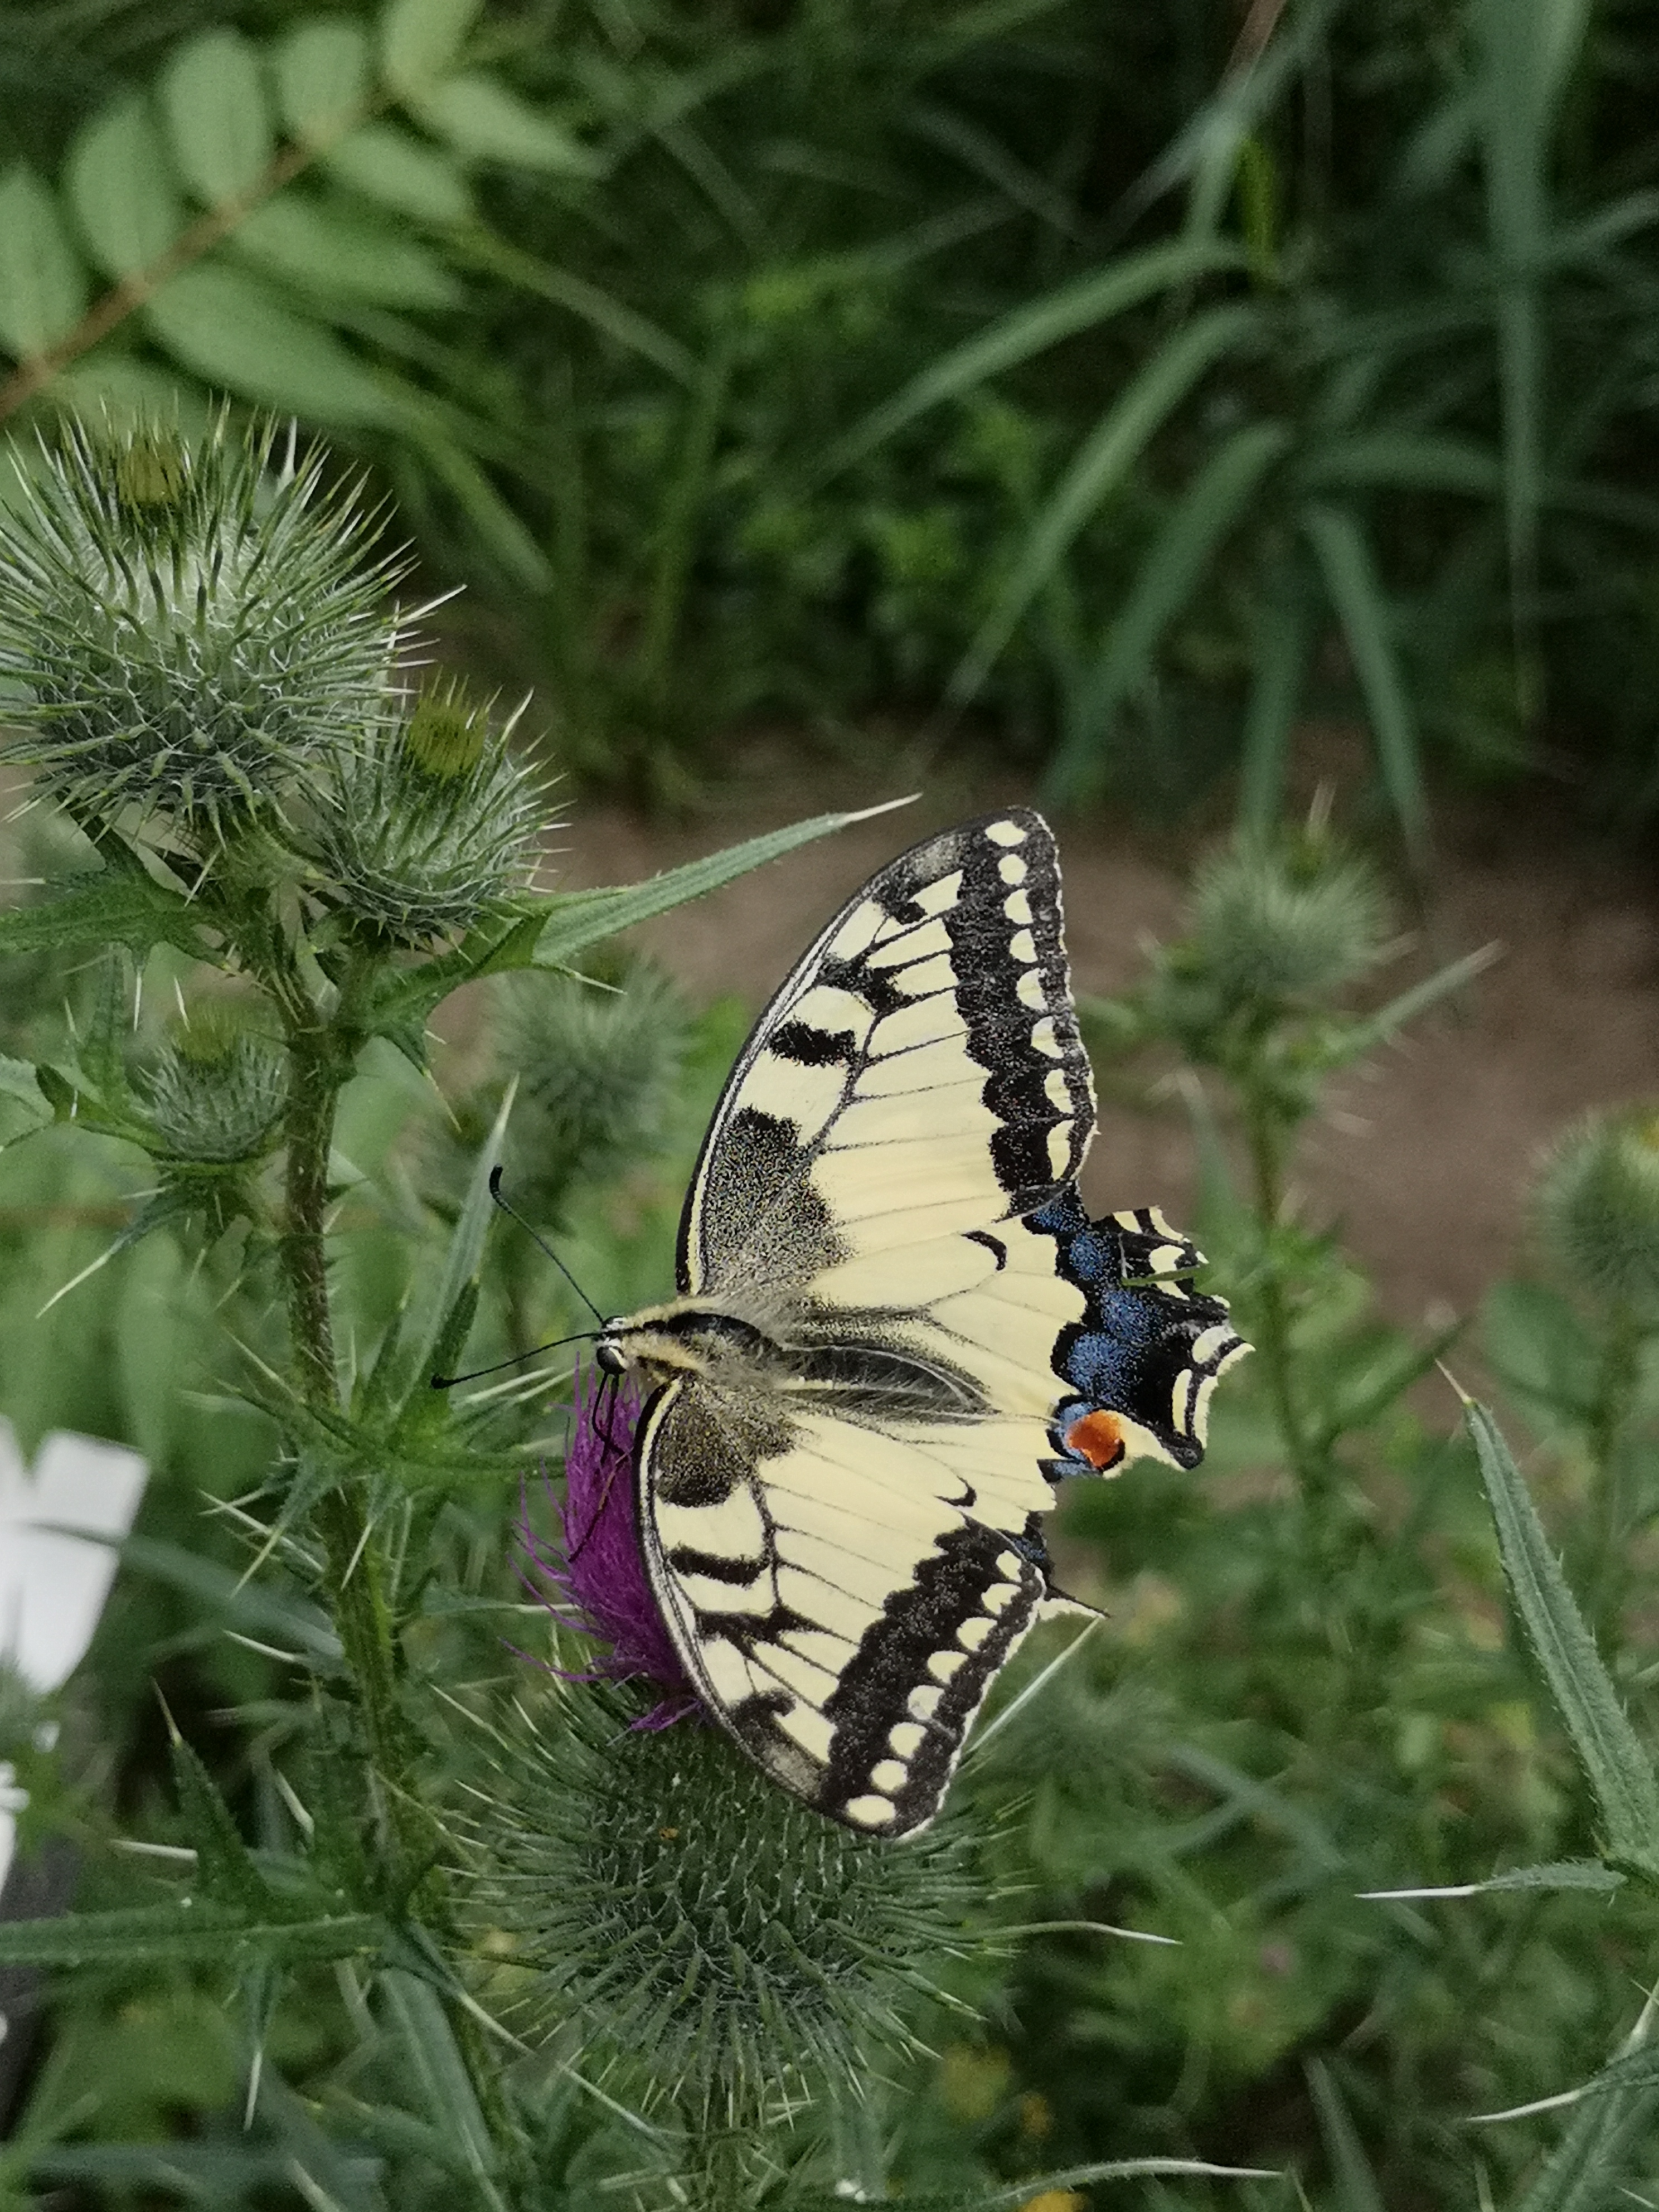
(1105, 459)
(579, 919)
(1345, 560)
(1618, 1771)
(225, 1874)
(1196, 527)
(463, 1263)
(217, 121)
(43, 285)
(498, 529)
(1033, 329)
(19, 1084)
(120, 187)
(226, 324)
(334, 249)
(390, 165)
(322, 72)
(609, 317)
(440, 2073)
(1405, 460)
(1565, 1874)
(1356, 2189)
(187, 1933)
(1019, 2194)
(421, 41)
(1578, 2175)
(483, 121)
(259, 1607)
(1281, 649)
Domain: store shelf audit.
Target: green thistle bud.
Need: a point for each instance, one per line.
(597, 1071)
(719, 1945)
(1293, 918)
(191, 634)
(1596, 1203)
(216, 1095)
(414, 838)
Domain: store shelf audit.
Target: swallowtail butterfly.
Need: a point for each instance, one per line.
(895, 1326)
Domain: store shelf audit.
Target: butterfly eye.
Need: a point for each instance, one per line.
(608, 1357)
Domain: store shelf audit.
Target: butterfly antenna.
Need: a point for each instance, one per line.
(541, 1245)
(448, 1381)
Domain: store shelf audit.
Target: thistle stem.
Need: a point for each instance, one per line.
(1615, 1389)
(1309, 1466)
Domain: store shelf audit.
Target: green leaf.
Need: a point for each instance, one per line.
(485, 122)
(186, 1933)
(258, 1607)
(1345, 560)
(226, 326)
(458, 1287)
(1032, 330)
(1200, 522)
(120, 187)
(1282, 648)
(1356, 2189)
(1404, 460)
(1565, 1874)
(440, 2074)
(392, 166)
(331, 247)
(1019, 2194)
(579, 919)
(216, 117)
(609, 317)
(18, 1083)
(43, 285)
(1619, 1770)
(1604, 2133)
(107, 906)
(322, 72)
(421, 41)
(1108, 453)
(498, 529)
(225, 1874)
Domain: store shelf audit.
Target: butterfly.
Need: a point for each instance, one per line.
(896, 1326)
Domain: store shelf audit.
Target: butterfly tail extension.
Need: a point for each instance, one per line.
(1138, 1372)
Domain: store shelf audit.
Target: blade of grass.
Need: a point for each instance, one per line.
(1356, 2189)
(1350, 575)
(1618, 1771)
(1200, 522)
(1106, 456)
(1282, 648)
(1030, 330)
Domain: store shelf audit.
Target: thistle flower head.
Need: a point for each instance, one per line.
(217, 1093)
(1293, 917)
(192, 631)
(719, 1944)
(418, 832)
(599, 1583)
(1596, 1203)
(597, 1069)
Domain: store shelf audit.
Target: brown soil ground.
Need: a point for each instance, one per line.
(1422, 1158)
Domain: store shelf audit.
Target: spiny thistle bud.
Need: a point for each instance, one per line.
(217, 1093)
(417, 836)
(192, 633)
(717, 1942)
(1596, 1203)
(596, 1072)
(1295, 917)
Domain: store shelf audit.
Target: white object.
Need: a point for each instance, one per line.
(52, 1582)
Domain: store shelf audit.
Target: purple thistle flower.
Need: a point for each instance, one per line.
(599, 1584)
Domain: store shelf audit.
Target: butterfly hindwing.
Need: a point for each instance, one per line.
(1142, 1362)
(843, 1592)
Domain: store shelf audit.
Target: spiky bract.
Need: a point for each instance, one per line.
(413, 839)
(597, 1070)
(1597, 1204)
(720, 1944)
(217, 1093)
(194, 632)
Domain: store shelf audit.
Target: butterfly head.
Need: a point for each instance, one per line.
(608, 1354)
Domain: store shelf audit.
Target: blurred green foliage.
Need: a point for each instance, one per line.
(1138, 380)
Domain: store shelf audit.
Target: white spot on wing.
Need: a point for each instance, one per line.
(1012, 868)
(890, 1774)
(1057, 1089)
(1023, 945)
(973, 1633)
(923, 1702)
(1046, 1039)
(810, 1730)
(907, 1737)
(1029, 990)
(1005, 833)
(944, 1664)
(1017, 907)
(941, 897)
(1060, 1148)
(871, 1812)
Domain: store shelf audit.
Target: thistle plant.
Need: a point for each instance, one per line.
(309, 849)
